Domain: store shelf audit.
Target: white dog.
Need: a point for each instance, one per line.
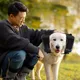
(51, 61)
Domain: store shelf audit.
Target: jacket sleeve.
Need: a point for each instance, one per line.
(12, 41)
(36, 35)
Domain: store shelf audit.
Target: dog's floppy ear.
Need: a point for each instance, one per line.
(45, 41)
(69, 43)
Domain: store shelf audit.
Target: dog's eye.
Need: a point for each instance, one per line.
(61, 39)
(54, 39)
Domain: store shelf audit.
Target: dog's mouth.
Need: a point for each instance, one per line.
(57, 50)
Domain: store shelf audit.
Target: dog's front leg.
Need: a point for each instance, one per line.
(32, 75)
(48, 71)
(39, 67)
(55, 69)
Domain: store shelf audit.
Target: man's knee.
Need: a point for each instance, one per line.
(17, 60)
(31, 63)
(21, 55)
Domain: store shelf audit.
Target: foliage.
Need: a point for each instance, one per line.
(59, 9)
(3, 8)
(36, 9)
(69, 21)
(33, 22)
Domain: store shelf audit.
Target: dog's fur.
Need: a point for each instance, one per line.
(51, 61)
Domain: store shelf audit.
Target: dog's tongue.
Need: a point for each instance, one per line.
(57, 51)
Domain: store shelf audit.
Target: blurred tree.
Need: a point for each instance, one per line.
(43, 10)
(3, 8)
(33, 22)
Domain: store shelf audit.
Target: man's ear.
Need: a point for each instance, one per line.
(11, 15)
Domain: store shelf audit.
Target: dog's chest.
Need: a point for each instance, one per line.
(51, 59)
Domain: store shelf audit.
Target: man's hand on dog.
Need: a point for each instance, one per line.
(40, 55)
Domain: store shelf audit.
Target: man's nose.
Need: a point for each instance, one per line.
(23, 21)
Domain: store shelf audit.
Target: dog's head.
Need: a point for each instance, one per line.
(57, 42)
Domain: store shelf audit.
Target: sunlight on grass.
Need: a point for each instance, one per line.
(69, 71)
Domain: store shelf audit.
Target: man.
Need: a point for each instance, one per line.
(18, 44)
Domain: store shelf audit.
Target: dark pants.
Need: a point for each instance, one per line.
(15, 60)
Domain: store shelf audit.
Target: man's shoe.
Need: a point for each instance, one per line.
(22, 74)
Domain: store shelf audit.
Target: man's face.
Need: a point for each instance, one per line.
(19, 19)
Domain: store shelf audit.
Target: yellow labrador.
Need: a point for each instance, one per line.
(52, 60)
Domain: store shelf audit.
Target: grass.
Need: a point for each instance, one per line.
(69, 68)
(69, 71)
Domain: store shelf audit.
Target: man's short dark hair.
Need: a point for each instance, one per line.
(16, 7)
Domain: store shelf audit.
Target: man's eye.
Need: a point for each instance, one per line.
(61, 39)
(54, 39)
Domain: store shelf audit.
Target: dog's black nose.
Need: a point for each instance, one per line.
(57, 47)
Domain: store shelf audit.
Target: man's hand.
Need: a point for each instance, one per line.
(40, 55)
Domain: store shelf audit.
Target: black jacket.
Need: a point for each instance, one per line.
(26, 39)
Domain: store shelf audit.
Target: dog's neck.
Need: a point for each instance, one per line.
(52, 53)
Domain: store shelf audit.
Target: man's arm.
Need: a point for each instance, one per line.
(11, 41)
(35, 35)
